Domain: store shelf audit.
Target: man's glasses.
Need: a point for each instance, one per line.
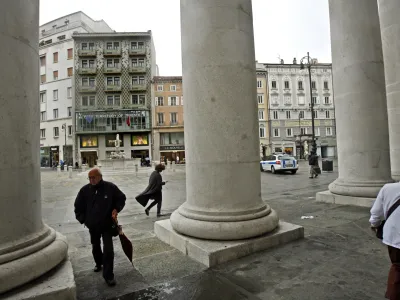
(91, 177)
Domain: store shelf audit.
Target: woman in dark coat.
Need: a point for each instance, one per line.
(153, 191)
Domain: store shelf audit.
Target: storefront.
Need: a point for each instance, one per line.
(174, 153)
(45, 161)
(54, 155)
(141, 146)
(89, 149)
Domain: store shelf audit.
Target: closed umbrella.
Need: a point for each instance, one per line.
(125, 242)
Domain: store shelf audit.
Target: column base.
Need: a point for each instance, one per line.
(363, 189)
(211, 252)
(328, 197)
(57, 284)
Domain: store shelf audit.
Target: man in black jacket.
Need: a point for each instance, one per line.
(313, 163)
(95, 205)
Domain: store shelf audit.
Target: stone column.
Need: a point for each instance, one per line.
(28, 248)
(389, 11)
(360, 98)
(221, 124)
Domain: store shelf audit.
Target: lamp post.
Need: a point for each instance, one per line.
(64, 127)
(307, 59)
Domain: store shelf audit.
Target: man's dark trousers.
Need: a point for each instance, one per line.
(157, 201)
(103, 258)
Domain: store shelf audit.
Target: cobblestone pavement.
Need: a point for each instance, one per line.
(338, 259)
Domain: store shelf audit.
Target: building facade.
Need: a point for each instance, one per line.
(56, 51)
(263, 110)
(112, 94)
(290, 109)
(168, 125)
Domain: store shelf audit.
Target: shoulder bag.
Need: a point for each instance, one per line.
(379, 231)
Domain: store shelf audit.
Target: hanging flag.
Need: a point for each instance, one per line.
(128, 121)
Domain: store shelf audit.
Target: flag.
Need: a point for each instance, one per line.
(128, 121)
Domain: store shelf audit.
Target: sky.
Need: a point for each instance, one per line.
(282, 28)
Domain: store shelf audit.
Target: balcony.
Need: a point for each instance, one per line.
(112, 69)
(113, 88)
(87, 52)
(275, 103)
(87, 71)
(138, 87)
(137, 51)
(112, 52)
(87, 88)
(137, 69)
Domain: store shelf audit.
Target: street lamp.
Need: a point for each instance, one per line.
(64, 127)
(308, 61)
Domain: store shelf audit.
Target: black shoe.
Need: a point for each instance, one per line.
(111, 282)
(146, 211)
(97, 269)
(160, 215)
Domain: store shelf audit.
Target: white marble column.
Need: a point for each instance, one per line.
(28, 248)
(389, 12)
(360, 98)
(221, 124)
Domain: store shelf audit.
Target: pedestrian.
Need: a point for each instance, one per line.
(153, 191)
(313, 163)
(385, 208)
(96, 205)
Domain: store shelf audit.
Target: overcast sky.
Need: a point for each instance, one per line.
(282, 28)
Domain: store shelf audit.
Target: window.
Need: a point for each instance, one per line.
(301, 100)
(326, 85)
(273, 84)
(160, 88)
(55, 94)
(301, 114)
(69, 110)
(174, 118)
(275, 115)
(137, 45)
(42, 97)
(56, 132)
(112, 45)
(300, 85)
(313, 85)
(138, 80)
(289, 132)
(327, 114)
(88, 100)
(317, 131)
(328, 131)
(138, 62)
(69, 72)
(43, 116)
(88, 81)
(303, 130)
(55, 57)
(276, 132)
(172, 101)
(138, 99)
(160, 118)
(86, 46)
(113, 63)
(43, 61)
(43, 78)
(87, 63)
(288, 114)
(61, 37)
(43, 133)
(315, 114)
(326, 100)
(172, 88)
(69, 130)
(55, 75)
(114, 81)
(262, 132)
(159, 101)
(69, 53)
(260, 98)
(288, 100)
(69, 92)
(113, 100)
(286, 84)
(314, 100)
(259, 83)
(275, 100)
(261, 114)
(55, 113)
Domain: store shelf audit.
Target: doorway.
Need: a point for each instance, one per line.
(89, 158)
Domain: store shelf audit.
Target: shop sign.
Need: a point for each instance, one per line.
(172, 147)
(54, 149)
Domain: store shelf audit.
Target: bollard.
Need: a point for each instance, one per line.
(70, 171)
(83, 168)
(136, 169)
(58, 170)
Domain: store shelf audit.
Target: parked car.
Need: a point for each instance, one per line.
(279, 163)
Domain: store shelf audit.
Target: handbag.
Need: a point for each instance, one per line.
(379, 230)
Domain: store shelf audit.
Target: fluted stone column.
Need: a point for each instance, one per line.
(221, 124)
(360, 98)
(389, 11)
(28, 248)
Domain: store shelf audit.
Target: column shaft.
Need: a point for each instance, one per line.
(360, 98)
(221, 123)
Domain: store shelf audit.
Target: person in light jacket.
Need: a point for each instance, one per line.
(387, 197)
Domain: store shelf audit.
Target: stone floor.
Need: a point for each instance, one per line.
(338, 259)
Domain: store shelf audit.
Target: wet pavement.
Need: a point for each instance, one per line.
(339, 258)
